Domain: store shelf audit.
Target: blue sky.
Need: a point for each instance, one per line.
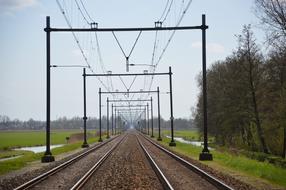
(22, 51)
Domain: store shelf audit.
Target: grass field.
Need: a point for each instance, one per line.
(236, 164)
(12, 139)
(187, 135)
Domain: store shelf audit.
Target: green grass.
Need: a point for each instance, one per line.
(10, 153)
(32, 138)
(233, 163)
(187, 135)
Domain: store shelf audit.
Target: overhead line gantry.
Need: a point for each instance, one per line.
(205, 155)
(137, 92)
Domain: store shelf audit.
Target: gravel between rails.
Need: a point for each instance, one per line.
(226, 178)
(67, 177)
(178, 175)
(126, 168)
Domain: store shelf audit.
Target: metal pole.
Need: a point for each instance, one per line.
(112, 119)
(107, 117)
(152, 135)
(148, 118)
(205, 155)
(115, 121)
(138, 123)
(100, 139)
(145, 121)
(48, 155)
(141, 124)
(84, 145)
(159, 124)
(172, 143)
(127, 64)
(118, 122)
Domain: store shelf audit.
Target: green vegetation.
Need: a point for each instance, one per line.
(186, 134)
(13, 139)
(234, 163)
(17, 163)
(9, 140)
(247, 90)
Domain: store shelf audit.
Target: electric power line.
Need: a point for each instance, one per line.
(87, 13)
(169, 40)
(78, 43)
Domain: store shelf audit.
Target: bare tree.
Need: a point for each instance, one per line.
(251, 60)
(272, 14)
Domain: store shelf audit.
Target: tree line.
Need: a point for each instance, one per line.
(61, 123)
(247, 90)
(77, 123)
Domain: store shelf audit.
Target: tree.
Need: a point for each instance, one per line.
(275, 84)
(251, 60)
(272, 14)
(234, 92)
(4, 119)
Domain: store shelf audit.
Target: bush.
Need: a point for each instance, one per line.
(262, 157)
(277, 161)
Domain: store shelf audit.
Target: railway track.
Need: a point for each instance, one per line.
(180, 173)
(165, 182)
(131, 161)
(188, 176)
(137, 173)
(90, 172)
(41, 181)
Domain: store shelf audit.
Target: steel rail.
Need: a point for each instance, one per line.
(56, 169)
(82, 181)
(214, 181)
(165, 182)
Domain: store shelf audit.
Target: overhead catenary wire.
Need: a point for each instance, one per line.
(169, 41)
(78, 43)
(99, 54)
(108, 79)
(169, 9)
(155, 59)
(91, 22)
(78, 7)
(154, 48)
(166, 6)
(127, 56)
(173, 33)
(152, 68)
(75, 37)
(132, 82)
(87, 13)
(123, 82)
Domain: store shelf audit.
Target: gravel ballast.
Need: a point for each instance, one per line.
(178, 175)
(126, 168)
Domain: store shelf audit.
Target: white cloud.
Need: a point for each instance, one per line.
(14, 5)
(211, 47)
